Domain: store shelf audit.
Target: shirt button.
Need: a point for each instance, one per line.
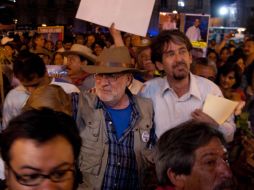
(118, 164)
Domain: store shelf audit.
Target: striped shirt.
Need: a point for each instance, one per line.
(171, 110)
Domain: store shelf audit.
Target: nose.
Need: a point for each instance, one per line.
(224, 169)
(47, 184)
(177, 57)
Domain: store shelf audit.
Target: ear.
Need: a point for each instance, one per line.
(84, 62)
(130, 78)
(178, 180)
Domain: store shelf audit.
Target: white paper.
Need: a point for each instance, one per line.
(219, 108)
(132, 16)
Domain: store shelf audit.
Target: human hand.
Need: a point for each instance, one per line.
(239, 107)
(116, 35)
(199, 115)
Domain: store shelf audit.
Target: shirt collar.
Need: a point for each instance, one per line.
(194, 90)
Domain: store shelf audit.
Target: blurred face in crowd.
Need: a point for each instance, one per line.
(110, 88)
(212, 57)
(80, 39)
(59, 44)
(41, 166)
(8, 51)
(90, 40)
(210, 170)
(59, 59)
(224, 55)
(205, 71)
(40, 41)
(144, 60)
(227, 81)
(74, 65)
(197, 23)
(241, 64)
(67, 45)
(249, 47)
(176, 61)
(49, 45)
(97, 49)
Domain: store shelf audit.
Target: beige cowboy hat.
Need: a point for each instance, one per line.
(112, 60)
(78, 49)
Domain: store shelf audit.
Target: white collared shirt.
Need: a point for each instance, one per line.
(171, 110)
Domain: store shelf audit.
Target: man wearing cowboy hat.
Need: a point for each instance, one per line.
(77, 57)
(116, 127)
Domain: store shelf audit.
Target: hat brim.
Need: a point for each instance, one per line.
(89, 57)
(104, 69)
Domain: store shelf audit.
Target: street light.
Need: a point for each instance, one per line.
(223, 11)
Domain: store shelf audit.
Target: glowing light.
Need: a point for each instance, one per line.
(43, 25)
(174, 12)
(181, 3)
(223, 11)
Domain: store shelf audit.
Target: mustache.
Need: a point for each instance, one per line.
(228, 184)
(179, 63)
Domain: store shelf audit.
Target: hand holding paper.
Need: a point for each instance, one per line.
(219, 108)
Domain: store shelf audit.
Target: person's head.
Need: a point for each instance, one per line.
(197, 22)
(38, 41)
(144, 59)
(40, 149)
(193, 156)
(67, 43)
(80, 39)
(98, 46)
(49, 96)
(30, 69)
(172, 48)
(224, 54)
(112, 72)
(49, 45)
(58, 45)
(9, 50)
(77, 57)
(58, 59)
(240, 61)
(229, 76)
(90, 40)
(212, 56)
(249, 46)
(202, 67)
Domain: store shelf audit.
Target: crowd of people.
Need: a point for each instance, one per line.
(121, 111)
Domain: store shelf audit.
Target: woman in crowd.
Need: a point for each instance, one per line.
(229, 79)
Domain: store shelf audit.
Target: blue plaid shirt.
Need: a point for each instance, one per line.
(121, 170)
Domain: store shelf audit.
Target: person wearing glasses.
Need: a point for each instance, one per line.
(116, 126)
(40, 149)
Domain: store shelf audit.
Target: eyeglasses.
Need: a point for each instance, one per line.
(35, 179)
(109, 77)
